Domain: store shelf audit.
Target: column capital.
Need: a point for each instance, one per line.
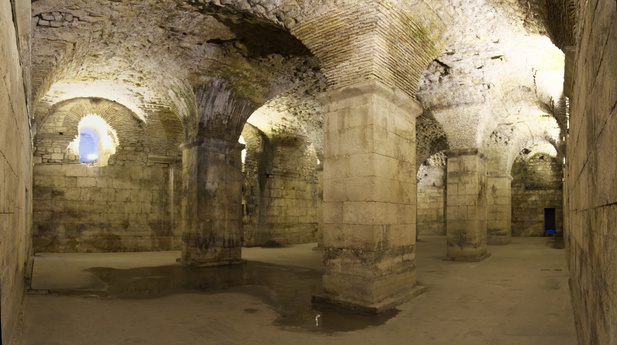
(465, 152)
(222, 110)
(397, 96)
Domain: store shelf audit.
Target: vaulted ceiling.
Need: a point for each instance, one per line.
(496, 85)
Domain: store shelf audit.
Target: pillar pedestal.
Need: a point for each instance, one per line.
(499, 218)
(466, 206)
(211, 203)
(369, 198)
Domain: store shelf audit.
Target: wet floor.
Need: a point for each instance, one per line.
(517, 296)
(286, 289)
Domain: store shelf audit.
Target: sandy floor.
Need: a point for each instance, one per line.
(517, 296)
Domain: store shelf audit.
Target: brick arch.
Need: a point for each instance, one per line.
(392, 41)
(60, 127)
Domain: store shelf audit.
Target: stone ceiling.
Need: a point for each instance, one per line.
(151, 54)
(497, 83)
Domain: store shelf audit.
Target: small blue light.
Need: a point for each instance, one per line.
(88, 145)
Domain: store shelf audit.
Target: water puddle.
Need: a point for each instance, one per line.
(287, 289)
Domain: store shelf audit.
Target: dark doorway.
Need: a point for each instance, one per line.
(549, 221)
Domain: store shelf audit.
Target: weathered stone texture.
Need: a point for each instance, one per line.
(15, 165)
(211, 213)
(132, 204)
(466, 206)
(378, 40)
(282, 193)
(369, 196)
(499, 209)
(591, 240)
(431, 209)
(536, 185)
(292, 206)
(222, 112)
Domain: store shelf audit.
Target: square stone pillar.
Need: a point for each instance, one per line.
(499, 218)
(369, 198)
(466, 206)
(211, 203)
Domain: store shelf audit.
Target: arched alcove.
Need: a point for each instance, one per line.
(116, 179)
(536, 186)
(282, 191)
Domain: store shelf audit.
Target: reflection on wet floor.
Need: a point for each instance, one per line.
(286, 289)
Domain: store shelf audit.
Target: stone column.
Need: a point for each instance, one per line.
(369, 197)
(211, 202)
(499, 213)
(466, 206)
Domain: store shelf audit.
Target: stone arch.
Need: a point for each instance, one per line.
(84, 106)
(126, 205)
(431, 138)
(61, 126)
(290, 124)
(504, 142)
(407, 35)
(537, 174)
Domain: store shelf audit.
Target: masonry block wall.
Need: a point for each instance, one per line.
(282, 190)
(132, 204)
(536, 185)
(591, 233)
(499, 209)
(292, 207)
(256, 167)
(15, 164)
(431, 218)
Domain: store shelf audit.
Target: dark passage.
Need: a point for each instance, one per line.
(549, 221)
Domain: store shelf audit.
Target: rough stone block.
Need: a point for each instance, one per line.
(79, 170)
(86, 182)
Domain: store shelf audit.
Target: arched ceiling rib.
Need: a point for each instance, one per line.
(497, 69)
(149, 55)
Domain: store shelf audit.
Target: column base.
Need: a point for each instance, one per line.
(468, 258)
(371, 309)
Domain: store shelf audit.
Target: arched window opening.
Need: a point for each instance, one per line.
(96, 141)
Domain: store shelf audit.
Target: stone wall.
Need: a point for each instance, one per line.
(591, 238)
(256, 167)
(294, 193)
(15, 165)
(499, 209)
(132, 204)
(536, 185)
(282, 193)
(431, 217)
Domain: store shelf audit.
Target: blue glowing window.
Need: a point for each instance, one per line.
(88, 145)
